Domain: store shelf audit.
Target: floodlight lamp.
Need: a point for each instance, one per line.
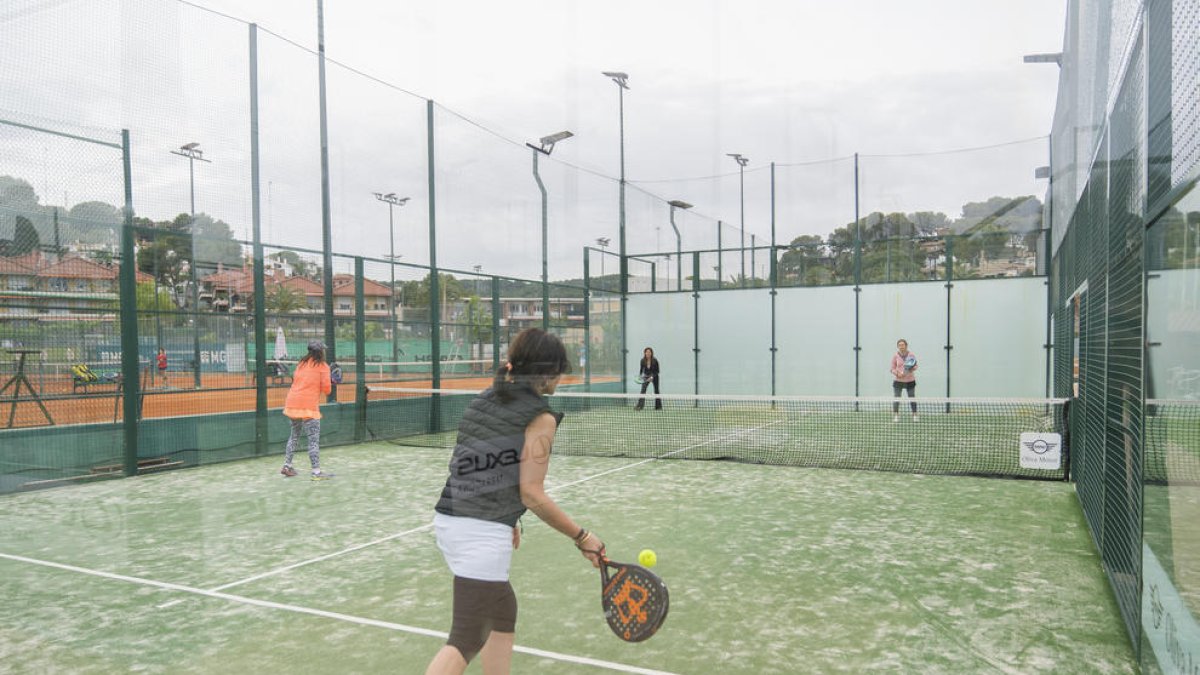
(189, 146)
(602, 241)
(391, 198)
(1055, 58)
(554, 138)
(679, 204)
(547, 142)
(618, 77)
(737, 157)
(1041, 172)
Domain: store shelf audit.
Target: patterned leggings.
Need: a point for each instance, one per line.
(311, 428)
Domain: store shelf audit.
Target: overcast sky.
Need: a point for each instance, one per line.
(793, 82)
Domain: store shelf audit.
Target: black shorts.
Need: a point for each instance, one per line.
(480, 607)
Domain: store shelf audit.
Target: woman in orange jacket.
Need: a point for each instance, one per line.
(303, 408)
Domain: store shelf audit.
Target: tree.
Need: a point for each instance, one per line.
(416, 293)
(162, 251)
(212, 241)
(807, 262)
(151, 298)
(105, 258)
(345, 331)
(479, 317)
(284, 300)
(989, 241)
(928, 223)
(25, 238)
(17, 193)
(300, 266)
(24, 223)
(93, 223)
(893, 260)
(1012, 214)
(1174, 241)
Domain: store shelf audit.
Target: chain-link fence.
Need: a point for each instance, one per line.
(1123, 289)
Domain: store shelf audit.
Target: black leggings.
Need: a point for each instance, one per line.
(657, 401)
(911, 388)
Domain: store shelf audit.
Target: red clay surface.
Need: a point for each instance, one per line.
(220, 393)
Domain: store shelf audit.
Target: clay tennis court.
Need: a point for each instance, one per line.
(221, 393)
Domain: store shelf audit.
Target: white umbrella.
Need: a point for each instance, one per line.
(280, 345)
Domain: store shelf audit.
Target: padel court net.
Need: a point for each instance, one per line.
(1019, 438)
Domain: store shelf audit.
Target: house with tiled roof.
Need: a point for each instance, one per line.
(231, 290)
(375, 296)
(16, 274)
(227, 290)
(39, 284)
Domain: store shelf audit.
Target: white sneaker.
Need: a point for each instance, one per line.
(895, 417)
(915, 418)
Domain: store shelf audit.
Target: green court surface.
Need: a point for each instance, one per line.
(233, 568)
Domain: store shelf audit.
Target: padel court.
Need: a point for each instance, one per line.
(233, 568)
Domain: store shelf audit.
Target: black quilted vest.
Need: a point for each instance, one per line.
(485, 469)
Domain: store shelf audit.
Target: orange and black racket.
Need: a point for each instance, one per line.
(634, 599)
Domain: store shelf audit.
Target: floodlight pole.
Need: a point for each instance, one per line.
(621, 79)
(602, 242)
(392, 201)
(546, 147)
(677, 204)
(742, 162)
(326, 215)
(193, 153)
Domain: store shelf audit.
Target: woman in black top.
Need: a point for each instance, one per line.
(647, 373)
(497, 471)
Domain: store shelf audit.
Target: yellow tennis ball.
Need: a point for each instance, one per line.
(647, 558)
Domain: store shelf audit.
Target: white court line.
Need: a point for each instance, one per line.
(583, 660)
(427, 526)
(310, 561)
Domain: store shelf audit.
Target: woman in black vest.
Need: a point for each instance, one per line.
(648, 374)
(497, 471)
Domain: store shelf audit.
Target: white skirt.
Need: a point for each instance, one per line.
(473, 548)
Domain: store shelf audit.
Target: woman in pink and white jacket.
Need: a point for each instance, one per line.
(904, 378)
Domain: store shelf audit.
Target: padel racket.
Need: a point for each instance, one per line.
(634, 599)
(910, 363)
(335, 373)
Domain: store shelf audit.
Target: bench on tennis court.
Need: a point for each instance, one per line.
(278, 374)
(149, 465)
(84, 378)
